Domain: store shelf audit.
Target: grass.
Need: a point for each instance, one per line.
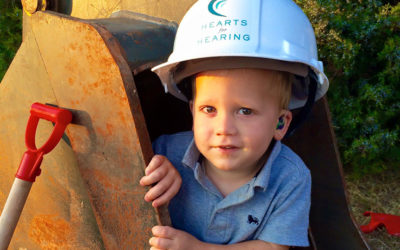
(379, 194)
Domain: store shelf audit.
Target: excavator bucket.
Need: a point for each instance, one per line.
(93, 58)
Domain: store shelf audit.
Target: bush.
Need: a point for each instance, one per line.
(360, 45)
(10, 32)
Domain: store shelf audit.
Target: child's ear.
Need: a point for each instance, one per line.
(283, 123)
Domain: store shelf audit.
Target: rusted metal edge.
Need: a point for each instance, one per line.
(117, 53)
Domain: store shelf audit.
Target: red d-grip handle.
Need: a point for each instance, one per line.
(60, 117)
(32, 158)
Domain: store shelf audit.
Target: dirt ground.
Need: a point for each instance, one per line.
(379, 194)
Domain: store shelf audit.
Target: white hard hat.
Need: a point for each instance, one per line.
(219, 34)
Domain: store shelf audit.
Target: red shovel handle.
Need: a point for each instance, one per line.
(60, 117)
(30, 164)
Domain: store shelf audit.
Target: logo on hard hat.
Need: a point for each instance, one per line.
(214, 5)
(234, 28)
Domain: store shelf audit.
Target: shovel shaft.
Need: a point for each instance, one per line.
(12, 210)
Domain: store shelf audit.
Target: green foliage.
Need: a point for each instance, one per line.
(359, 43)
(10, 32)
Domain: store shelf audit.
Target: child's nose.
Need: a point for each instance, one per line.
(225, 124)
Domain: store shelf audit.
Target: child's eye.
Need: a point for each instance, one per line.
(208, 109)
(245, 111)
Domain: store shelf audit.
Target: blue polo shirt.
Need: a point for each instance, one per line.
(273, 206)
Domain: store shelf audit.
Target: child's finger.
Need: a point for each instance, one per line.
(168, 195)
(164, 232)
(160, 243)
(155, 176)
(145, 181)
(155, 162)
(158, 189)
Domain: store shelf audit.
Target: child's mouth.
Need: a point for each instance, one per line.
(226, 148)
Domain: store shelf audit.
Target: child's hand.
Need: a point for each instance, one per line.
(165, 237)
(166, 179)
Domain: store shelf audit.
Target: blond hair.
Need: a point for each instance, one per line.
(281, 82)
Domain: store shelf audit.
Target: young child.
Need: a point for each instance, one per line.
(230, 183)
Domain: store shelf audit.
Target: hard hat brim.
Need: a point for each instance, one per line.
(172, 73)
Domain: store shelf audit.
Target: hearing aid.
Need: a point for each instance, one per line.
(281, 123)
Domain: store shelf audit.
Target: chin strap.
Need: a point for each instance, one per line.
(311, 80)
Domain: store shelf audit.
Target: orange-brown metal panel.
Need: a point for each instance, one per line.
(89, 74)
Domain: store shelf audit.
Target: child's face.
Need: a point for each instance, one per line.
(235, 113)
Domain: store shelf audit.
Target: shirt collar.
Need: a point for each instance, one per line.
(192, 157)
(262, 179)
